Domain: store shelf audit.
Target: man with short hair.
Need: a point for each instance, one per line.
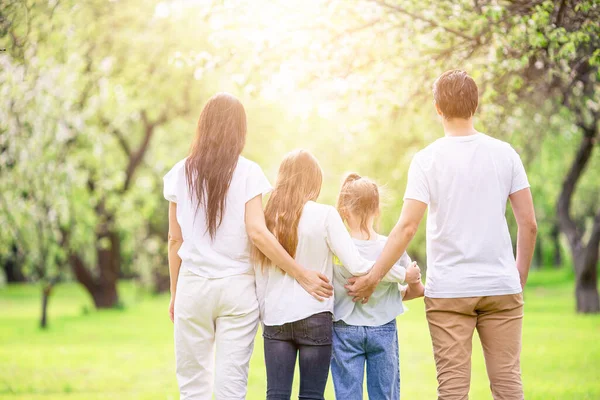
(473, 279)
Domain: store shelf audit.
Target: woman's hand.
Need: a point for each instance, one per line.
(316, 284)
(413, 274)
(172, 309)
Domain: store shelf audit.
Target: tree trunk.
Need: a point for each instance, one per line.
(557, 258)
(161, 280)
(103, 288)
(106, 295)
(586, 284)
(587, 297)
(12, 272)
(46, 292)
(538, 254)
(12, 267)
(109, 263)
(585, 256)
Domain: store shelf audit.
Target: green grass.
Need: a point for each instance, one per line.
(128, 354)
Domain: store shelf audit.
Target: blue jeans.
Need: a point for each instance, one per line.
(375, 346)
(308, 339)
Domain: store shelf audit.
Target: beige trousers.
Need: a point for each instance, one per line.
(498, 320)
(215, 324)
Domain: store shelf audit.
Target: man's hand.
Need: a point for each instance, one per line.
(172, 309)
(413, 274)
(316, 284)
(362, 287)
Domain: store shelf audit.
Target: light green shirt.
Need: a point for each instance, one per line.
(386, 302)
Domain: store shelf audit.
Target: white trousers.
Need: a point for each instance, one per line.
(215, 324)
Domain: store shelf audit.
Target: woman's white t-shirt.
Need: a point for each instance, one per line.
(229, 252)
(321, 235)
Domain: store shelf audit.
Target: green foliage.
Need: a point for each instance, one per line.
(82, 83)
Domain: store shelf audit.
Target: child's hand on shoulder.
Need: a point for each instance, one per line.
(413, 274)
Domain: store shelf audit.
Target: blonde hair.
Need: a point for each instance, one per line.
(359, 197)
(299, 180)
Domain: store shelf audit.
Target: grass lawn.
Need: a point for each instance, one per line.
(128, 354)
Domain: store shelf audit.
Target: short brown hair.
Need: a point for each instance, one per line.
(456, 94)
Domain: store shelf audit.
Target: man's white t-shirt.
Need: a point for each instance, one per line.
(229, 253)
(466, 182)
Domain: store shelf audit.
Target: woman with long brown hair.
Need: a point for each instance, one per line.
(215, 210)
(295, 324)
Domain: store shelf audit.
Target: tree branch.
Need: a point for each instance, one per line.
(355, 29)
(82, 274)
(561, 13)
(136, 157)
(118, 135)
(431, 22)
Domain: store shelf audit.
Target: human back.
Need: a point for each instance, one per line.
(284, 300)
(213, 299)
(466, 180)
(311, 232)
(365, 333)
(473, 281)
(227, 252)
(385, 303)
(295, 325)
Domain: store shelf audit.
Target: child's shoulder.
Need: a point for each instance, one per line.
(318, 208)
(374, 246)
(381, 240)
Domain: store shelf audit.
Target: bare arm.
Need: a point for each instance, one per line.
(414, 291)
(175, 242)
(410, 218)
(398, 271)
(522, 205)
(313, 282)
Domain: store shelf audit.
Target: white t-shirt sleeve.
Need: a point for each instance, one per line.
(340, 243)
(416, 186)
(519, 176)
(171, 181)
(398, 271)
(257, 183)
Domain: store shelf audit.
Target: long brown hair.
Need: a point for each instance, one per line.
(358, 197)
(220, 138)
(299, 180)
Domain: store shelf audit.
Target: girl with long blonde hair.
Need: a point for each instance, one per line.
(295, 325)
(366, 334)
(215, 210)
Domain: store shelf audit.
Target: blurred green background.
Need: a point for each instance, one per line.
(98, 99)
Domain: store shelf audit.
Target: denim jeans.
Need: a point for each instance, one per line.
(375, 346)
(310, 340)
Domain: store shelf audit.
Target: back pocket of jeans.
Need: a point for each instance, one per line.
(272, 332)
(318, 328)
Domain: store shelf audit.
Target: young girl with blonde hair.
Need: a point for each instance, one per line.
(295, 324)
(366, 333)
